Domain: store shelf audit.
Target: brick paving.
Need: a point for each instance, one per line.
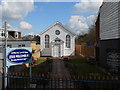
(0, 81)
(59, 71)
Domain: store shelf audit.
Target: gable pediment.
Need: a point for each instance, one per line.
(60, 26)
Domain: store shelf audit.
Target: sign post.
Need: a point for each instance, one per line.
(30, 71)
(17, 56)
(4, 64)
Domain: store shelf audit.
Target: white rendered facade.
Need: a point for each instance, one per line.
(57, 41)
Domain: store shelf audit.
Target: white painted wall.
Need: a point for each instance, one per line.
(109, 20)
(53, 36)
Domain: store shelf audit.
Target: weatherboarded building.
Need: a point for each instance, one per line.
(57, 41)
(108, 36)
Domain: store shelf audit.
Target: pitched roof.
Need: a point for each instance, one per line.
(57, 23)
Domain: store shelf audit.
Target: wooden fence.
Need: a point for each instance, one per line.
(85, 50)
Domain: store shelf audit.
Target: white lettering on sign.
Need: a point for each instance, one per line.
(18, 56)
(18, 59)
(18, 52)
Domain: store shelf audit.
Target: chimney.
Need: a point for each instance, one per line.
(19, 35)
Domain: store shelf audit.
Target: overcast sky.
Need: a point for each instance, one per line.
(35, 16)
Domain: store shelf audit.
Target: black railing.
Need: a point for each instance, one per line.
(46, 82)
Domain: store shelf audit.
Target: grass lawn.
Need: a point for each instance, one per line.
(40, 61)
(88, 70)
(82, 67)
(78, 60)
(41, 70)
(43, 67)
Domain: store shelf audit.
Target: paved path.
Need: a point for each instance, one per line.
(1, 65)
(0, 81)
(59, 70)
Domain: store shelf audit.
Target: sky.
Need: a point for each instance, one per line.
(32, 17)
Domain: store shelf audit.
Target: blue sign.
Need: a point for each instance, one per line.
(19, 56)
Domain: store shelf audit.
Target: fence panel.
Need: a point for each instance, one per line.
(87, 51)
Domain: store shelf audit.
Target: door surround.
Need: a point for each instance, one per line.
(59, 45)
(56, 50)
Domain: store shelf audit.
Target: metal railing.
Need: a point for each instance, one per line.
(22, 80)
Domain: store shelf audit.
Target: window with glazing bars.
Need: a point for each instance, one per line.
(68, 41)
(47, 41)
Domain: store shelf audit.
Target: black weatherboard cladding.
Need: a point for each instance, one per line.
(105, 46)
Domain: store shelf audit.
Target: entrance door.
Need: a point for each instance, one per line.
(56, 50)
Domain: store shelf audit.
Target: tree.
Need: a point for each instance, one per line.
(32, 38)
(88, 37)
(91, 37)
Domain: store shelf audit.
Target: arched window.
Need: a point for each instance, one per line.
(68, 41)
(47, 38)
